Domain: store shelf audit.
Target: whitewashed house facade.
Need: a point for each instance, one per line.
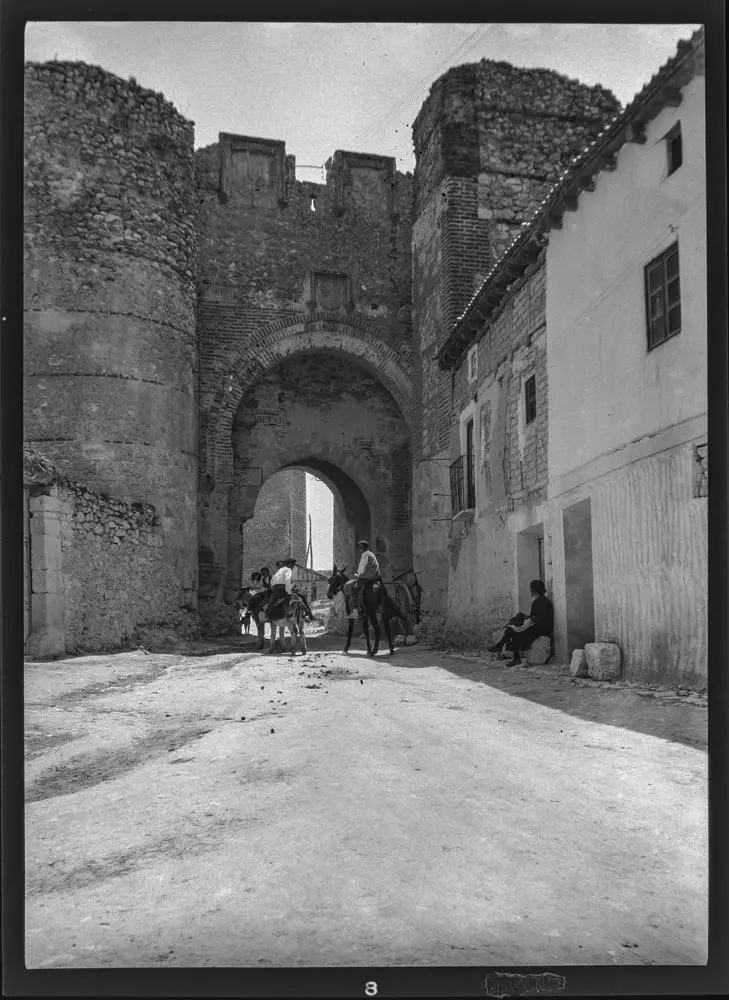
(606, 373)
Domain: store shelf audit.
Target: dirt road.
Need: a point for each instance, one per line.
(233, 809)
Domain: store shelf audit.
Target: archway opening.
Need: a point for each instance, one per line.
(320, 524)
(278, 526)
(326, 415)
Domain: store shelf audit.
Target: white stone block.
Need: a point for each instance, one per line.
(603, 660)
(45, 524)
(578, 664)
(47, 581)
(45, 553)
(47, 611)
(539, 651)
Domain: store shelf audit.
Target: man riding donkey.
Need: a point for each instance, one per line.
(368, 589)
(286, 607)
(263, 586)
(368, 572)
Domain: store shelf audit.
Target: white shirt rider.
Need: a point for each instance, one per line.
(369, 568)
(283, 576)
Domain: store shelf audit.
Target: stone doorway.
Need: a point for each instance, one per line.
(530, 561)
(326, 412)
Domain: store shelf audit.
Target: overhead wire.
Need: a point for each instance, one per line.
(418, 86)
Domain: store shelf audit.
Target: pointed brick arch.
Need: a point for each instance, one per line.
(377, 350)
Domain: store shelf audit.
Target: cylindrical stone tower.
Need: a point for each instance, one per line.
(110, 337)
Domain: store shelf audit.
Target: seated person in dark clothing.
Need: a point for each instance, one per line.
(540, 622)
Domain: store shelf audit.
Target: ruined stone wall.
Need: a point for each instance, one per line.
(110, 341)
(98, 569)
(288, 267)
(278, 527)
(490, 140)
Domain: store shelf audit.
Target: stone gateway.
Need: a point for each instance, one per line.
(200, 320)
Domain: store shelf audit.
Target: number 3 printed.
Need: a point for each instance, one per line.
(371, 989)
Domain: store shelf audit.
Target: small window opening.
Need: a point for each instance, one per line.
(473, 363)
(674, 148)
(530, 398)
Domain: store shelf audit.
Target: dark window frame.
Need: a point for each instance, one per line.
(530, 400)
(660, 284)
(674, 148)
(470, 464)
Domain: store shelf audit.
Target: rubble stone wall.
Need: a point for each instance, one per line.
(98, 569)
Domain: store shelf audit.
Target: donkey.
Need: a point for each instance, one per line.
(290, 615)
(376, 602)
(280, 617)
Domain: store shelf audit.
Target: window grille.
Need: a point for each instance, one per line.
(470, 467)
(457, 484)
(663, 297)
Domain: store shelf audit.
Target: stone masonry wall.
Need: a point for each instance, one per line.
(110, 340)
(98, 569)
(490, 140)
(278, 527)
(286, 268)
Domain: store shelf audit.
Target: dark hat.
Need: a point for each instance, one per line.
(289, 562)
(365, 543)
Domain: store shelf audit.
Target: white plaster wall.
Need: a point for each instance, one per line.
(605, 388)
(650, 555)
(482, 588)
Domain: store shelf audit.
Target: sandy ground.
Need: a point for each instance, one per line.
(225, 808)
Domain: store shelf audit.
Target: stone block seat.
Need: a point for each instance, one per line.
(540, 651)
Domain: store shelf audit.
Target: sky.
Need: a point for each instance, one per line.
(320, 504)
(327, 86)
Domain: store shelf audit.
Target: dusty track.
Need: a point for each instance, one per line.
(228, 808)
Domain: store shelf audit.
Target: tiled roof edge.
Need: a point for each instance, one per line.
(533, 237)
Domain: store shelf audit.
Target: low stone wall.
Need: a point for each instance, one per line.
(98, 569)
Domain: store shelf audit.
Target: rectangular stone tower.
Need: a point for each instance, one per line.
(490, 140)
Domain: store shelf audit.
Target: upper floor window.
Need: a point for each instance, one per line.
(674, 148)
(663, 297)
(530, 399)
(473, 363)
